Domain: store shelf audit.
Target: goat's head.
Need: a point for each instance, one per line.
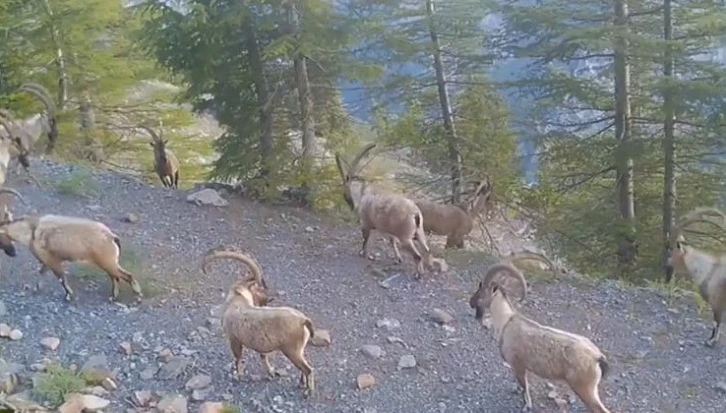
(352, 181)
(157, 142)
(11, 229)
(482, 297)
(252, 287)
(676, 245)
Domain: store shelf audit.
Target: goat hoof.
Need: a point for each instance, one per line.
(70, 298)
(710, 343)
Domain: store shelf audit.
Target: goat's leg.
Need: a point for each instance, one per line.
(117, 273)
(364, 248)
(176, 180)
(716, 332)
(237, 352)
(265, 358)
(409, 246)
(55, 265)
(590, 397)
(394, 244)
(307, 378)
(521, 375)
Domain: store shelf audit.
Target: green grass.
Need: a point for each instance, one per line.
(56, 383)
(78, 183)
(131, 261)
(228, 408)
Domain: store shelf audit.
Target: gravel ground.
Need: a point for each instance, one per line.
(654, 344)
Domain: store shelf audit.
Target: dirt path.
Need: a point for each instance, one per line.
(658, 361)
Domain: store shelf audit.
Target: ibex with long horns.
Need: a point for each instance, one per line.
(528, 346)
(31, 129)
(706, 269)
(165, 162)
(392, 214)
(11, 145)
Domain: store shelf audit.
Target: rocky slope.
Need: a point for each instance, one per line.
(381, 321)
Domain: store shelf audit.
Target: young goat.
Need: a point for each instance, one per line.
(165, 162)
(54, 239)
(454, 221)
(392, 214)
(706, 269)
(247, 322)
(528, 346)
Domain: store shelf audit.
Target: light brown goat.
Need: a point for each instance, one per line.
(528, 346)
(247, 322)
(706, 269)
(166, 164)
(454, 221)
(392, 214)
(54, 239)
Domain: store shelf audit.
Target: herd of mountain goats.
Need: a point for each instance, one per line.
(248, 321)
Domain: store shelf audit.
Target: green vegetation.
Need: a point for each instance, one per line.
(78, 183)
(56, 383)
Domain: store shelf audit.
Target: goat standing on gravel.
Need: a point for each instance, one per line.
(54, 239)
(248, 322)
(166, 164)
(529, 346)
(392, 214)
(706, 269)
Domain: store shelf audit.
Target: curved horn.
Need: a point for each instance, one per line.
(42, 94)
(353, 168)
(14, 192)
(341, 169)
(150, 131)
(511, 271)
(696, 215)
(534, 256)
(256, 273)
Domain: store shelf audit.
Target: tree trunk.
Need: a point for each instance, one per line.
(451, 137)
(623, 131)
(92, 149)
(264, 98)
(669, 144)
(60, 59)
(304, 96)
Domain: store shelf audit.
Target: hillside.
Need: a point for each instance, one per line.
(658, 361)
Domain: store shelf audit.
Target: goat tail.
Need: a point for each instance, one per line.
(309, 325)
(117, 241)
(604, 365)
(417, 219)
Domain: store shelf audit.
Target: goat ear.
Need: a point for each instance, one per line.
(679, 245)
(151, 143)
(481, 284)
(166, 141)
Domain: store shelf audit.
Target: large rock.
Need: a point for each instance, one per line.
(81, 403)
(173, 369)
(95, 370)
(198, 382)
(9, 376)
(207, 197)
(174, 403)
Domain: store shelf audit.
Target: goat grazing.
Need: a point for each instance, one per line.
(454, 221)
(706, 269)
(528, 346)
(54, 239)
(392, 214)
(166, 164)
(248, 322)
(40, 124)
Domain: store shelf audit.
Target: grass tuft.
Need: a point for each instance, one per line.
(56, 383)
(78, 183)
